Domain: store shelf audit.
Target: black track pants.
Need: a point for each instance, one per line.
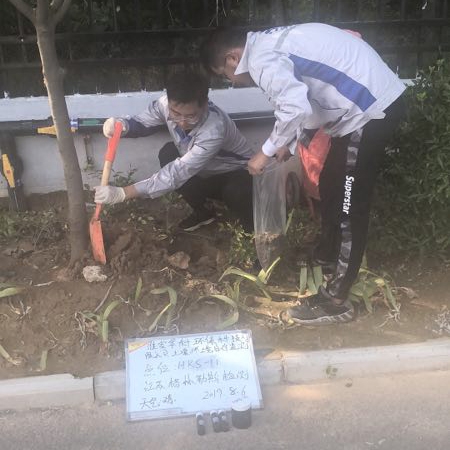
(346, 186)
(233, 188)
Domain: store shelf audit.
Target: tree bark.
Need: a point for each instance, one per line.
(53, 79)
(45, 16)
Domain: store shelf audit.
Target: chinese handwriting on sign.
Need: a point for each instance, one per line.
(198, 372)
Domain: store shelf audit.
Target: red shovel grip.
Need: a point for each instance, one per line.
(113, 142)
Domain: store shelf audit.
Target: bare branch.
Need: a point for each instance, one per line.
(25, 9)
(61, 12)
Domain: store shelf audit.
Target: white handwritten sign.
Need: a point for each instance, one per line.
(184, 374)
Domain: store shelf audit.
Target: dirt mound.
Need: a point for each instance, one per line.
(53, 326)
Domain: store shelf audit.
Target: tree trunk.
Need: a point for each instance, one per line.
(53, 79)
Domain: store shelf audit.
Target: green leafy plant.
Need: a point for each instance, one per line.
(242, 250)
(412, 204)
(122, 179)
(8, 290)
(169, 200)
(259, 281)
(311, 278)
(368, 288)
(98, 323)
(168, 309)
(232, 300)
(301, 228)
(371, 287)
(38, 226)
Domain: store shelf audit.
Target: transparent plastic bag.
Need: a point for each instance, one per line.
(275, 189)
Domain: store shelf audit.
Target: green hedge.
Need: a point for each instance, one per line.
(412, 205)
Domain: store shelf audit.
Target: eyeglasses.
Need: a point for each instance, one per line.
(179, 118)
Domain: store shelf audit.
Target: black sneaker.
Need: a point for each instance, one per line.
(320, 310)
(322, 296)
(196, 220)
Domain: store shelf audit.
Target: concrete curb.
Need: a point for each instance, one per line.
(360, 362)
(46, 392)
(281, 367)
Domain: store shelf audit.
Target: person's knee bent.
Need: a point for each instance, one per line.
(238, 189)
(167, 154)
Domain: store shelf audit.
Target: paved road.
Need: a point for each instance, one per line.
(397, 413)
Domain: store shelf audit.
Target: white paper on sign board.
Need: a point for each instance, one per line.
(184, 374)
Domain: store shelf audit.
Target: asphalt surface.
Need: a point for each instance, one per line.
(386, 412)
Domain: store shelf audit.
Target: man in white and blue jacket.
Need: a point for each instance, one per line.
(207, 158)
(318, 76)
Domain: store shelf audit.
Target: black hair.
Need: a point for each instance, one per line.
(219, 42)
(187, 87)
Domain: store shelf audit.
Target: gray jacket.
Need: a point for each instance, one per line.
(213, 146)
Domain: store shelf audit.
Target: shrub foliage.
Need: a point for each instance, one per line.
(412, 206)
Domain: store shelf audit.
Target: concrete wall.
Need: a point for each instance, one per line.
(43, 170)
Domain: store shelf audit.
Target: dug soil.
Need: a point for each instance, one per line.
(52, 326)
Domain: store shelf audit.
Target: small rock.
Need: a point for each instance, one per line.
(93, 273)
(9, 251)
(25, 248)
(179, 259)
(204, 261)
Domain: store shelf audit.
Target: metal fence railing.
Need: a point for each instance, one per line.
(111, 45)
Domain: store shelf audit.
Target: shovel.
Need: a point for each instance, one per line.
(95, 226)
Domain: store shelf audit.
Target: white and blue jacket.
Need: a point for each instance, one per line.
(213, 146)
(316, 75)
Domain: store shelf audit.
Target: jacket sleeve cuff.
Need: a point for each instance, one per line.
(141, 188)
(125, 125)
(268, 148)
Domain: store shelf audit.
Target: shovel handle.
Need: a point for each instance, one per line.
(111, 153)
(98, 210)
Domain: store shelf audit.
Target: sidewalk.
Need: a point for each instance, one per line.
(63, 390)
(385, 412)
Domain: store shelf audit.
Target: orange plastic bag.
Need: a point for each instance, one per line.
(313, 158)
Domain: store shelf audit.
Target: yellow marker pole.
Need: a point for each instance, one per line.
(8, 171)
(51, 131)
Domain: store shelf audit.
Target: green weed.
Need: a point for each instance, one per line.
(8, 290)
(232, 300)
(121, 179)
(96, 323)
(311, 278)
(38, 226)
(259, 281)
(301, 228)
(169, 309)
(370, 287)
(242, 250)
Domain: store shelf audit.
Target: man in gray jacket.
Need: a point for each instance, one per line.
(207, 158)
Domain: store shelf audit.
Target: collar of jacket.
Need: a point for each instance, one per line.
(243, 63)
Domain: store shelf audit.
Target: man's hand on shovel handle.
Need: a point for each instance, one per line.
(112, 194)
(109, 194)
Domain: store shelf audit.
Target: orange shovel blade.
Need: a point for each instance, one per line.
(95, 230)
(95, 226)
